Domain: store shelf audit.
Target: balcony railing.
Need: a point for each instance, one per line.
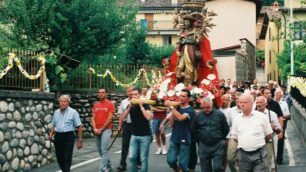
(159, 2)
(157, 25)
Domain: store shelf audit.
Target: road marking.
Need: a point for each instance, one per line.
(290, 153)
(95, 159)
(82, 163)
(167, 135)
(118, 151)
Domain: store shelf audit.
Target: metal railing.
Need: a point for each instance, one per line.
(81, 78)
(158, 25)
(14, 79)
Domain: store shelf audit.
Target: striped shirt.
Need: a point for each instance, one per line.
(66, 121)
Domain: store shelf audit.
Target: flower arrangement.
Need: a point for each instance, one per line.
(165, 91)
(299, 83)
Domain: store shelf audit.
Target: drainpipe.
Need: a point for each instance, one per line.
(291, 42)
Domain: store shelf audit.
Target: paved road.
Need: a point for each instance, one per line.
(87, 159)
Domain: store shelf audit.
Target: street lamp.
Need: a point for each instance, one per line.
(291, 41)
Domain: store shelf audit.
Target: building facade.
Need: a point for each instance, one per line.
(276, 23)
(234, 21)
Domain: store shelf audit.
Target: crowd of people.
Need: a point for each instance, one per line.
(245, 134)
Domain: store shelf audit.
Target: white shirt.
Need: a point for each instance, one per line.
(123, 105)
(232, 114)
(226, 111)
(284, 107)
(250, 131)
(274, 118)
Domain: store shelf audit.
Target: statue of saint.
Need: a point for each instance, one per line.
(188, 52)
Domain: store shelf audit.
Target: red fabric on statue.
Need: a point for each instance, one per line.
(205, 50)
(173, 62)
(204, 71)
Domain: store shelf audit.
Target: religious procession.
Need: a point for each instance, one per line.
(225, 91)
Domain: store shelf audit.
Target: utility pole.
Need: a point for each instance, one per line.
(291, 41)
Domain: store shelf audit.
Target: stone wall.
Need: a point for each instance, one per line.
(83, 102)
(24, 143)
(245, 61)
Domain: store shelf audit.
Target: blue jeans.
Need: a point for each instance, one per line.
(102, 145)
(139, 144)
(180, 153)
(155, 125)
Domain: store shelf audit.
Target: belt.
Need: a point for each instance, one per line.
(64, 133)
(257, 150)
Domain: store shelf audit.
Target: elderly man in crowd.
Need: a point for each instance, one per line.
(210, 129)
(64, 121)
(271, 146)
(251, 130)
(286, 116)
(232, 144)
(274, 106)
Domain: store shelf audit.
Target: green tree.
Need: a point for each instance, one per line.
(284, 62)
(77, 28)
(137, 48)
(157, 53)
(139, 51)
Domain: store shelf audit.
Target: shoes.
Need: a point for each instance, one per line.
(121, 168)
(138, 167)
(164, 150)
(159, 151)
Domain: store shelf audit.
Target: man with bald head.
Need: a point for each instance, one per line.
(251, 130)
(271, 147)
(274, 106)
(210, 129)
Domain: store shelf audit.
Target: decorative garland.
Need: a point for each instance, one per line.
(155, 79)
(299, 83)
(12, 57)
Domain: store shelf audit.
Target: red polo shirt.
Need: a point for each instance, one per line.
(102, 110)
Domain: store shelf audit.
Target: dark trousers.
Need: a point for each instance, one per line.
(193, 156)
(280, 145)
(126, 137)
(63, 149)
(212, 156)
